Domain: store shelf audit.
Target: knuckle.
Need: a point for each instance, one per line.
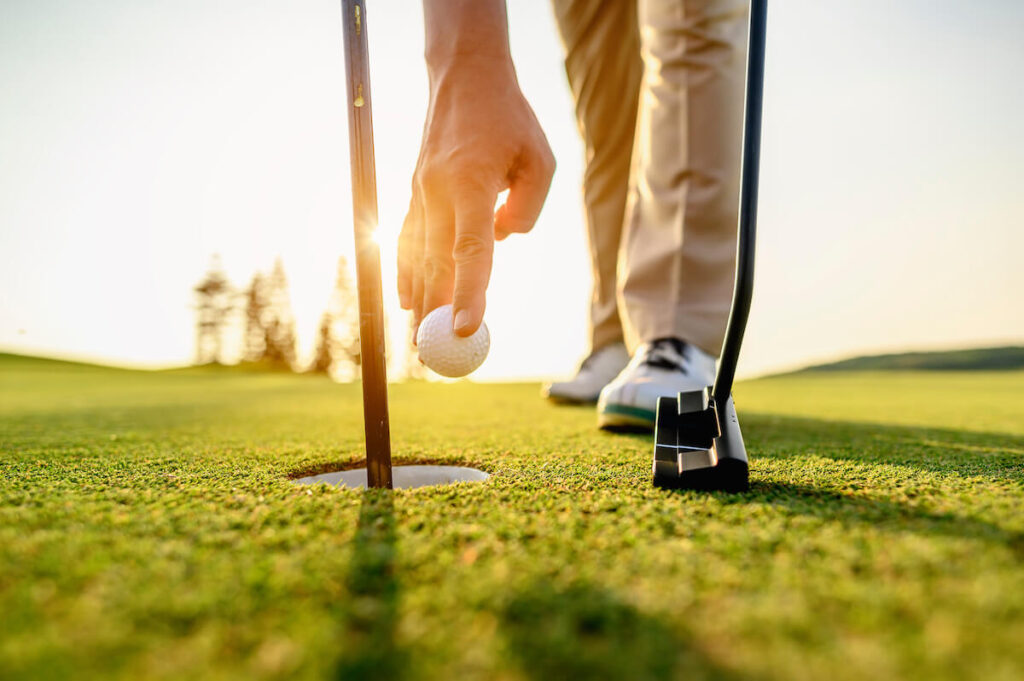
(467, 175)
(437, 269)
(471, 248)
(454, 172)
(429, 176)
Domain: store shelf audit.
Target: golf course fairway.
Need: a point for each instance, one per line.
(149, 529)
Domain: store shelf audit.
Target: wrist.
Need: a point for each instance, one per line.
(455, 49)
(466, 32)
(475, 71)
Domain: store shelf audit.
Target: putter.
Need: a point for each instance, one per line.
(697, 439)
(364, 213)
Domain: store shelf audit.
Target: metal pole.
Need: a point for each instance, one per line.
(364, 211)
(747, 228)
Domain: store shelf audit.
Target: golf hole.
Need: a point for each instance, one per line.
(402, 477)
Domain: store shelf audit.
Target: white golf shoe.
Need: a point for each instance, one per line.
(594, 373)
(661, 368)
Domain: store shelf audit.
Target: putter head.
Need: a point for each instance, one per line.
(698, 444)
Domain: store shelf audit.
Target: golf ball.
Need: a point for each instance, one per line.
(445, 353)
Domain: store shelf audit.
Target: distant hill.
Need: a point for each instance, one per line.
(1006, 358)
(36, 363)
(978, 359)
(12, 361)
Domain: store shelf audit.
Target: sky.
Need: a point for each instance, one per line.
(140, 137)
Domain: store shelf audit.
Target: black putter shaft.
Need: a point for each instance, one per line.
(747, 228)
(364, 211)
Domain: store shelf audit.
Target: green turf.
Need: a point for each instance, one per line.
(148, 530)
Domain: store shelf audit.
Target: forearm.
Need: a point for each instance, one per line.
(461, 30)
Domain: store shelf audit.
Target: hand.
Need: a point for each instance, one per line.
(480, 138)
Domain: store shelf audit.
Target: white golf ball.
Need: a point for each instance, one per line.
(445, 353)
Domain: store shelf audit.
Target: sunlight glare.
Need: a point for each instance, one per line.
(386, 239)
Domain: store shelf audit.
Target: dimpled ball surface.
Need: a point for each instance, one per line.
(445, 353)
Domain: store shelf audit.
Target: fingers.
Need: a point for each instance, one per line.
(419, 239)
(458, 248)
(438, 241)
(473, 253)
(407, 253)
(529, 184)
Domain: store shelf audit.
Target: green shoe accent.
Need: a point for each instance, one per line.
(632, 412)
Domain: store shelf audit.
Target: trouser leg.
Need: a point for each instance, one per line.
(677, 257)
(603, 64)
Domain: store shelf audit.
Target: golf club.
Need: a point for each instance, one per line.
(697, 438)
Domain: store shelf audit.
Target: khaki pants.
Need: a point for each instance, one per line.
(658, 86)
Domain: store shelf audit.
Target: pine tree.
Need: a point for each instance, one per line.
(323, 359)
(214, 305)
(346, 319)
(337, 347)
(279, 324)
(254, 345)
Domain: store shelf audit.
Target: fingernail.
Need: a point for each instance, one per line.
(461, 320)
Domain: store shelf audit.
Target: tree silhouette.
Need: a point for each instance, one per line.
(254, 345)
(214, 305)
(323, 359)
(278, 322)
(337, 347)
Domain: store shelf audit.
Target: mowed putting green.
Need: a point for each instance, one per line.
(149, 530)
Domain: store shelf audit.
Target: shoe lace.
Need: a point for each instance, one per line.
(666, 353)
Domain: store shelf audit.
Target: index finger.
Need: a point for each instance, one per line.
(473, 252)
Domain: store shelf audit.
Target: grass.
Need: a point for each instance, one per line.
(148, 529)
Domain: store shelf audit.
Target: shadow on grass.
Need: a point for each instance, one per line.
(833, 505)
(997, 456)
(371, 614)
(585, 632)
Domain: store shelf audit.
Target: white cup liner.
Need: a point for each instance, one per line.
(402, 477)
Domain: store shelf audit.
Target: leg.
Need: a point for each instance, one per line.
(677, 259)
(602, 61)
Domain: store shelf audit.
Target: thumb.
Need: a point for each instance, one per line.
(528, 188)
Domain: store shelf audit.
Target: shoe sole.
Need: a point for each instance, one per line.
(559, 399)
(621, 418)
(562, 398)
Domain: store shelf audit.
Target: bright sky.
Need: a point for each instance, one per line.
(138, 137)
